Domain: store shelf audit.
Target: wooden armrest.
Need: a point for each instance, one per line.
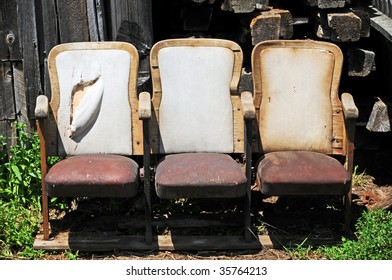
(41, 107)
(350, 110)
(247, 105)
(144, 105)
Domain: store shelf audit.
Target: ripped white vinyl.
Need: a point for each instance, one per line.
(94, 114)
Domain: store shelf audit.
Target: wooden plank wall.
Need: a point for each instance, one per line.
(30, 29)
(13, 101)
(131, 21)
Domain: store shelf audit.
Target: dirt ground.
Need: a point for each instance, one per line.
(302, 217)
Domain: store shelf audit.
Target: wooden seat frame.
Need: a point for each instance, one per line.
(344, 110)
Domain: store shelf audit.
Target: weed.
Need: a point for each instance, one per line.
(20, 173)
(299, 251)
(358, 179)
(18, 226)
(374, 239)
(20, 195)
(71, 256)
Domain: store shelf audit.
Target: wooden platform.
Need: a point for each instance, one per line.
(109, 241)
(81, 232)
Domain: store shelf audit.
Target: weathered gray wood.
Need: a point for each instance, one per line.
(379, 118)
(265, 27)
(272, 25)
(7, 102)
(9, 53)
(20, 93)
(345, 27)
(360, 62)
(109, 241)
(131, 21)
(286, 23)
(326, 4)
(7, 129)
(9, 43)
(95, 16)
(365, 21)
(48, 37)
(92, 20)
(73, 21)
(31, 68)
(337, 27)
(239, 6)
(100, 10)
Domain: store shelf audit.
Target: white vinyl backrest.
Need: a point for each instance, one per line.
(296, 109)
(195, 114)
(94, 115)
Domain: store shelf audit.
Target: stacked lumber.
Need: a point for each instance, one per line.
(346, 23)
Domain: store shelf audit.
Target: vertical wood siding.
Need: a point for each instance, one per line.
(30, 29)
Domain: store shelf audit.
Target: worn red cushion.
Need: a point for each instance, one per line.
(302, 173)
(199, 175)
(93, 176)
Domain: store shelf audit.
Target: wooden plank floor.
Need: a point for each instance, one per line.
(109, 241)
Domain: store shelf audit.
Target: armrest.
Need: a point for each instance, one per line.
(144, 105)
(145, 115)
(350, 113)
(247, 105)
(41, 107)
(350, 110)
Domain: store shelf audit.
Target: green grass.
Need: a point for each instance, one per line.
(20, 196)
(373, 242)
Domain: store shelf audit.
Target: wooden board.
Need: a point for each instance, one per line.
(48, 37)
(108, 241)
(9, 46)
(9, 52)
(29, 73)
(7, 103)
(73, 21)
(131, 21)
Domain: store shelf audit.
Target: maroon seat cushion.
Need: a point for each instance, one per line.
(199, 175)
(302, 173)
(93, 176)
